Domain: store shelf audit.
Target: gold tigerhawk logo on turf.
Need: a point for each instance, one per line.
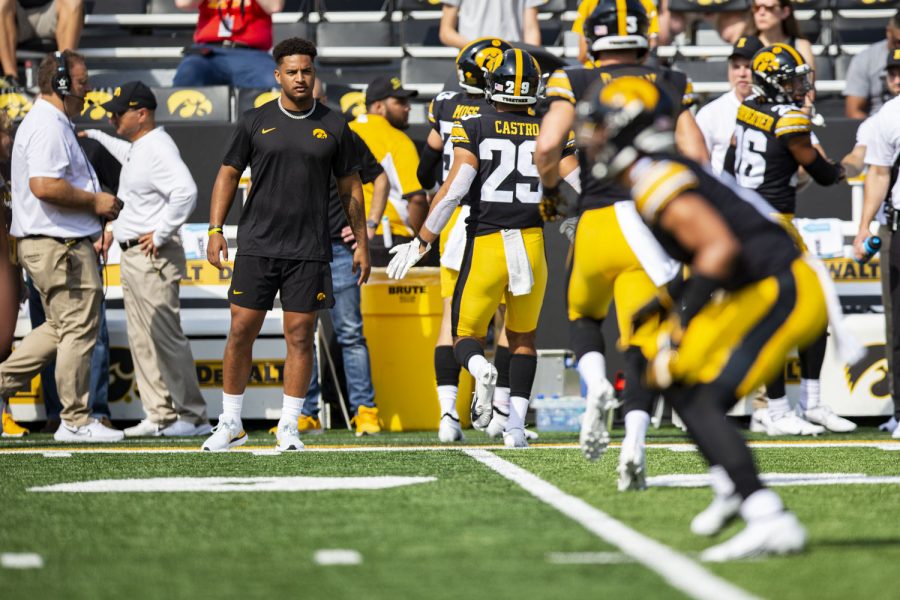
(14, 105)
(92, 102)
(320, 296)
(320, 133)
(189, 103)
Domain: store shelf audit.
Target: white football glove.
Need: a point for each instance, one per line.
(405, 258)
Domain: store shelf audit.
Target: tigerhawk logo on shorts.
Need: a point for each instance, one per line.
(319, 133)
(189, 103)
(320, 296)
(92, 102)
(15, 105)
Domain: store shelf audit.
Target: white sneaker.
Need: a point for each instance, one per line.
(181, 428)
(594, 438)
(498, 423)
(790, 423)
(515, 438)
(287, 437)
(483, 397)
(720, 512)
(145, 428)
(890, 425)
(95, 431)
(632, 466)
(779, 534)
(227, 434)
(759, 421)
(824, 416)
(449, 430)
(896, 434)
(203, 428)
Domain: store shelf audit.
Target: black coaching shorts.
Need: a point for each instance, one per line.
(305, 286)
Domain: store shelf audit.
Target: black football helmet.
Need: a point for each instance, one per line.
(620, 120)
(781, 75)
(617, 25)
(515, 79)
(476, 59)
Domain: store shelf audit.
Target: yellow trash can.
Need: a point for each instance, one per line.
(401, 320)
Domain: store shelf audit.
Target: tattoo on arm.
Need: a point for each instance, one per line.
(350, 192)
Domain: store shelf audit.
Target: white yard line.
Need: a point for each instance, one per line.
(337, 557)
(887, 445)
(21, 560)
(678, 570)
(588, 558)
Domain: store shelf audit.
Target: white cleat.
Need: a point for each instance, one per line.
(720, 512)
(531, 435)
(287, 437)
(889, 426)
(145, 428)
(779, 534)
(515, 438)
(759, 421)
(483, 397)
(181, 428)
(791, 424)
(449, 430)
(498, 423)
(95, 432)
(896, 434)
(594, 438)
(227, 434)
(824, 416)
(632, 467)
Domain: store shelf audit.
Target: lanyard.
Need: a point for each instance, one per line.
(227, 22)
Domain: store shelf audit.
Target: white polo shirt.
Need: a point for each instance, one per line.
(46, 146)
(716, 121)
(155, 185)
(884, 144)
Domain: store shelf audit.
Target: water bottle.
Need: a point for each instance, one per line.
(386, 232)
(871, 245)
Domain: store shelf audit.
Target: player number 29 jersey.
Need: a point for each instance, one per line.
(507, 188)
(763, 161)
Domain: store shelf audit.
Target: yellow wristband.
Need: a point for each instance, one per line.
(213, 230)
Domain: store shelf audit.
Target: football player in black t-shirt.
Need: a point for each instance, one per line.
(751, 296)
(504, 255)
(293, 145)
(771, 141)
(447, 108)
(611, 259)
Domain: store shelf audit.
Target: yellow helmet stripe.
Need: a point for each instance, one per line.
(519, 69)
(796, 55)
(621, 14)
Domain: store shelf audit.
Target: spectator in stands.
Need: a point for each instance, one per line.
(882, 188)
(854, 162)
(512, 20)
(231, 44)
(382, 129)
(865, 89)
(716, 120)
(23, 20)
(57, 212)
(773, 22)
(586, 7)
(10, 275)
(159, 195)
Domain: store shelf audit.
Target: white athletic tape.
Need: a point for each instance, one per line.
(678, 570)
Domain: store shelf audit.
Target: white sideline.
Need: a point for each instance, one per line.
(678, 570)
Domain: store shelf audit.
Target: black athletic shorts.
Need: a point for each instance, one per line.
(305, 285)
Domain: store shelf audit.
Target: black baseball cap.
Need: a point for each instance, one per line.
(387, 87)
(133, 94)
(893, 59)
(746, 47)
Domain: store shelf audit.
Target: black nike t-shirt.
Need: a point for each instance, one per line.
(292, 162)
(369, 170)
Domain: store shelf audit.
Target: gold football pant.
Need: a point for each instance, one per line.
(740, 339)
(483, 281)
(604, 268)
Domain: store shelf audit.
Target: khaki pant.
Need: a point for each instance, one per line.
(34, 23)
(163, 363)
(69, 284)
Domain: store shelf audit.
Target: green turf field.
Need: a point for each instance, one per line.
(465, 531)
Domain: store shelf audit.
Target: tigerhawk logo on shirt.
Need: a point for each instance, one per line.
(320, 133)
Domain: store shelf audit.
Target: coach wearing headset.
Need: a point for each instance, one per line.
(58, 214)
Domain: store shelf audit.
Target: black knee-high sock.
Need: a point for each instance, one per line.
(586, 335)
(775, 388)
(636, 396)
(702, 408)
(501, 362)
(812, 357)
(446, 369)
